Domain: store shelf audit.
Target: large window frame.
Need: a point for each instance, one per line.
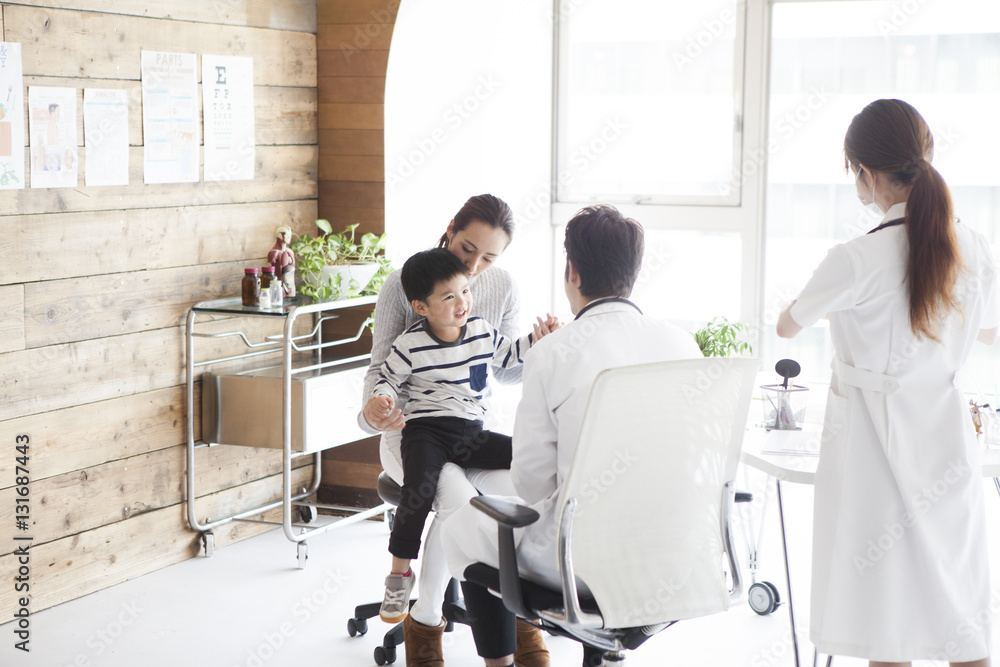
(742, 211)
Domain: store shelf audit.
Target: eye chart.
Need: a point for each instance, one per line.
(227, 92)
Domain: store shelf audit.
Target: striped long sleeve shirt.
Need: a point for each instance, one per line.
(447, 379)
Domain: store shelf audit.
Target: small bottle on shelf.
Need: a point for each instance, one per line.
(266, 280)
(277, 293)
(251, 287)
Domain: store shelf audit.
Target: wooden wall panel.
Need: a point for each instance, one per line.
(282, 15)
(61, 376)
(352, 142)
(79, 564)
(87, 435)
(100, 280)
(289, 172)
(360, 12)
(67, 245)
(353, 40)
(11, 318)
(85, 499)
(282, 115)
(54, 39)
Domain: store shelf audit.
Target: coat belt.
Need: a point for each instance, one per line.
(863, 379)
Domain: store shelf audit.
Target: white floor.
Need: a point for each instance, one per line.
(249, 606)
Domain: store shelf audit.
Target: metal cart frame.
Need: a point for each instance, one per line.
(286, 344)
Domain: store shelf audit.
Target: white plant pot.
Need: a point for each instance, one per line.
(363, 272)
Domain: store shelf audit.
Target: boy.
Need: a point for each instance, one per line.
(444, 360)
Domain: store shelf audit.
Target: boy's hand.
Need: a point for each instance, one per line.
(379, 414)
(546, 326)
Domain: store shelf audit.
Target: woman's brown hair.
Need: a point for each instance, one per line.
(483, 208)
(891, 137)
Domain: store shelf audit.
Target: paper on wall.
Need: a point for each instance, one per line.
(11, 117)
(52, 137)
(227, 89)
(105, 129)
(170, 117)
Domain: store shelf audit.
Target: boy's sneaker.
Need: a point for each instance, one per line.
(396, 603)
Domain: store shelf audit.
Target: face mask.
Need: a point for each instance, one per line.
(872, 207)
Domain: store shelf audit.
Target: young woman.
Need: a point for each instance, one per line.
(900, 566)
(479, 233)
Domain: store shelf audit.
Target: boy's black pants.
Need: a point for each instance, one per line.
(427, 444)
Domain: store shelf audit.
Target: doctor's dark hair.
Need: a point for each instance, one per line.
(422, 272)
(606, 249)
(482, 208)
(891, 137)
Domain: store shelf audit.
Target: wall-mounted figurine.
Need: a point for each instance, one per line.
(283, 259)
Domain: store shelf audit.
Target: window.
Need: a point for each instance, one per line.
(649, 108)
(828, 60)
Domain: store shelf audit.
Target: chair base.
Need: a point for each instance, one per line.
(453, 609)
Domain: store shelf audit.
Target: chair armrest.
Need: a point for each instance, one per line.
(505, 512)
(508, 515)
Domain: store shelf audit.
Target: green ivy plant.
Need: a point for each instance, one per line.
(313, 253)
(720, 338)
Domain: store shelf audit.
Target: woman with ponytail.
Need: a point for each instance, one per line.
(900, 564)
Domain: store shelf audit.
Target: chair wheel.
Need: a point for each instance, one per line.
(385, 654)
(307, 513)
(357, 626)
(762, 598)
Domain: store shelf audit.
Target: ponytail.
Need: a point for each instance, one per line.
(891, 137)
(934, 261)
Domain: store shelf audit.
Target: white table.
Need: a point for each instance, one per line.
(792, 456)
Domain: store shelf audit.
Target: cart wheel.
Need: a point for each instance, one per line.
(385, 654)
(357, 626)
(390, 518)
(208, 542)
(774, 589)
(303, 553)
(307, 513)
(761, 598)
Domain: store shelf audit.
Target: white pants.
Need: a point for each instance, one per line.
(455, 487)
(469, 536)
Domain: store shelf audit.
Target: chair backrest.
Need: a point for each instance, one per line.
(657, 445)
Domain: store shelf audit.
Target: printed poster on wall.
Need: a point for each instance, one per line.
(105, 130)
(170, 117)
(11, 117)
(227, 91)
(52, 136)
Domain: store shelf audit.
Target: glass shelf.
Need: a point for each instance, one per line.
(234, 306)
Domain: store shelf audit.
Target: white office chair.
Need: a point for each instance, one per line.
(644, 511)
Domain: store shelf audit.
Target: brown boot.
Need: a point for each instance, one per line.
(423, 644)
(531, 651)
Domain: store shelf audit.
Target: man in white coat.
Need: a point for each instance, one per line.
(603, 256)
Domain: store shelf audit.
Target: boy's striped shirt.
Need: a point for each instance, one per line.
(447, 379)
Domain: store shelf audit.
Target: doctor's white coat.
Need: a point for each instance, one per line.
(558, 373)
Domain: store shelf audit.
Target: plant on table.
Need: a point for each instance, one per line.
(314, 254)
(721, 338)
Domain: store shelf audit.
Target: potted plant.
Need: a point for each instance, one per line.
(339, 266)
(721, 338)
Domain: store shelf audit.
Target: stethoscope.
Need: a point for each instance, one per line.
(610, 299)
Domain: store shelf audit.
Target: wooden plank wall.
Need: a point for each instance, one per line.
(97, 282)
(353, 38)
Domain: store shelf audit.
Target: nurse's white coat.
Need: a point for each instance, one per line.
(900, 565)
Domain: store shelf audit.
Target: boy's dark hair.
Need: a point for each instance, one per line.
(606, 250)
(422, 272)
